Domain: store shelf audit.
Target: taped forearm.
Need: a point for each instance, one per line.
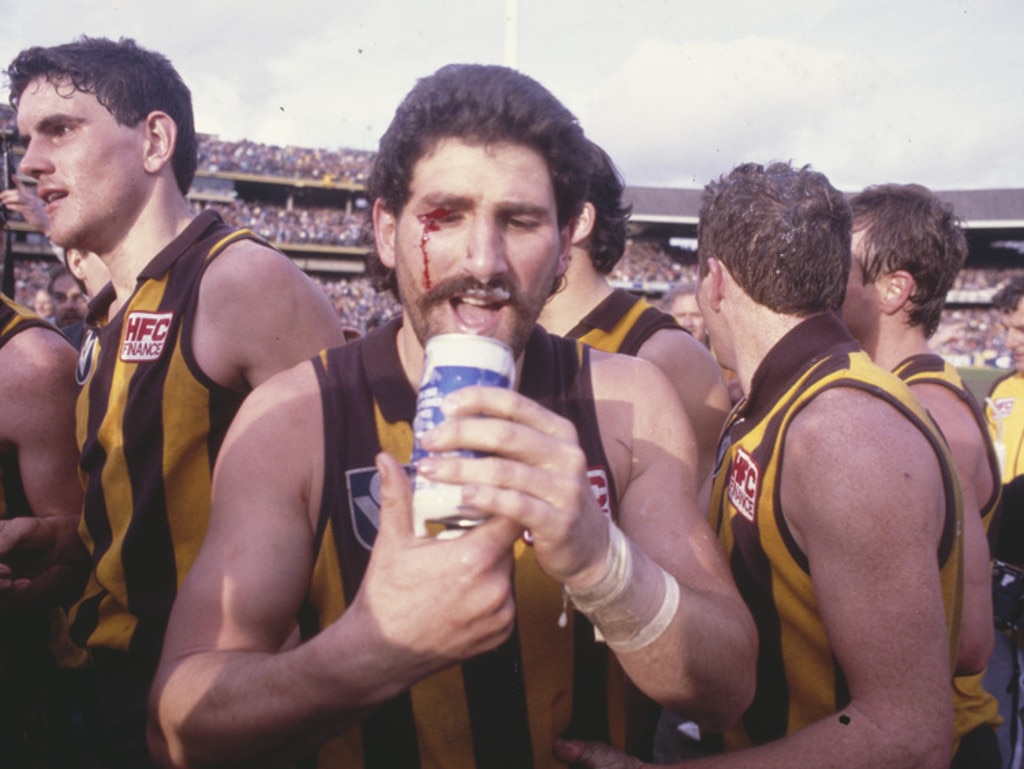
(635, 599)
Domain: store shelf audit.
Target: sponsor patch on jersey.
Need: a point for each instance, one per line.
(598, 477)
(744, 483)
(1002, 407)
(145, 334)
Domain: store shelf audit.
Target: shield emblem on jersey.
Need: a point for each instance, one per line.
(364, 503)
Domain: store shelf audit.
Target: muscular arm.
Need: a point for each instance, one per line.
(259, 314)
(697, 379)
(871, 547)
(232, 684)
(970, 455)
(702, 666)
(42, 555)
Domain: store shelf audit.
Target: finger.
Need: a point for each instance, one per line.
(395, 498)
(568, 750)
(12, 532)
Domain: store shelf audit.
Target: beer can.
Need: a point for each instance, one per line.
(451, 362)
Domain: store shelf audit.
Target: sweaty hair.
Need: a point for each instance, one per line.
(479, 104)
(782, 232)
(607, 239)
(128, 80)
(1008, 297)
(908, 228)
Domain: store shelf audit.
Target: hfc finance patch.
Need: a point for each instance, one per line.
(744, 484)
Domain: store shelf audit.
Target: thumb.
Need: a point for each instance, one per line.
(395, 497)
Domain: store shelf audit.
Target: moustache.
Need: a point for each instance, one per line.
(500, 290)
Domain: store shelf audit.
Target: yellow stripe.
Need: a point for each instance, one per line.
(186, 461)
(612, 340)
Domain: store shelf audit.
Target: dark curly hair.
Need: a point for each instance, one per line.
(908, 228)
(483, 104)
(782, 232)
(128, 80)
(611, 215)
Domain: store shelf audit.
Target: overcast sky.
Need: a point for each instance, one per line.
(677, 91)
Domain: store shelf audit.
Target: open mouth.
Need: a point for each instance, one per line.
(50, 197)
(477, 310)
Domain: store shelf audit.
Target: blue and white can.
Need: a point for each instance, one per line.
(451, 362)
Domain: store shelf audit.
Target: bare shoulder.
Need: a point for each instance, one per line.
(844, 417)
(251, 265)
(34, 363)
(851, 451)
(671, 347)
(259, 314)
(950, 412)
(626, 377)
(37, 384)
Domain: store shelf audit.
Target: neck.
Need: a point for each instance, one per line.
(758, 334)
(895, 343)
(160, 221)
(584, 289)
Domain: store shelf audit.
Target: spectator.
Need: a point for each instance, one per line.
(42, 304)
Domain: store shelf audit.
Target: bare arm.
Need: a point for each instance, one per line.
(877, 585)
(697, 379)
(259, 314)
(969, 450)
(231, 686)
(42, 556)
(703, 662)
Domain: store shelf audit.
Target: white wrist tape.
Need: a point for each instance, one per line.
(635, 599)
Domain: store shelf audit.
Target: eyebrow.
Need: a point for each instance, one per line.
(49, 123)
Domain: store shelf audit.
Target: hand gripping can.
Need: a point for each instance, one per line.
(452, 361)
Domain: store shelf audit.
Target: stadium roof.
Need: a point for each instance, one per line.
(988, 215)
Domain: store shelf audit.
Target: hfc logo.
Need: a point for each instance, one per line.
(145, 334)
(744, 484)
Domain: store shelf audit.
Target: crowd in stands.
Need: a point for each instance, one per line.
(299, 226)
(967, 335)
(247, 157)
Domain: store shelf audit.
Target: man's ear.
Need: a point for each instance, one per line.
(161, 134)
(895, 290)
(583, 224)
(712, 285)
(385, 230)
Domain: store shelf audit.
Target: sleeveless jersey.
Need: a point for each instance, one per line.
(1005, 416)
(972, 705)
(150, 424)
(500, 709)
(798, 679)
(622, 323)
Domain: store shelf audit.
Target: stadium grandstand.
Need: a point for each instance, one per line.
(311, 204)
